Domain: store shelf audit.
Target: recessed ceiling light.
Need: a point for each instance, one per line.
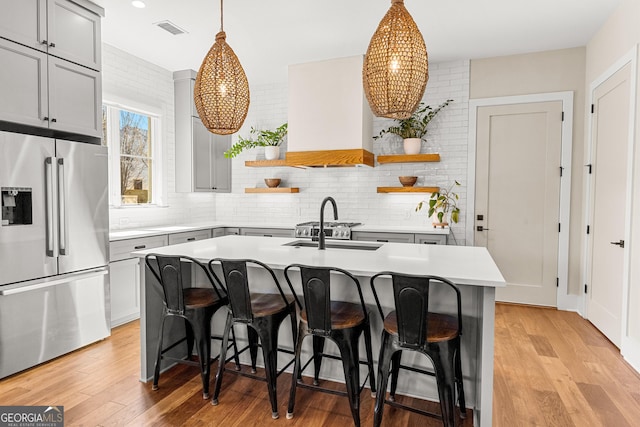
(139, 4)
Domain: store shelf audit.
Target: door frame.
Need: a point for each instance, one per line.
(627, 345)
(564, 301)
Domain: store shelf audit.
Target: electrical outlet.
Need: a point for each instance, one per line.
(123, 222)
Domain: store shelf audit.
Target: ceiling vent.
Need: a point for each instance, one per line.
(170, 27)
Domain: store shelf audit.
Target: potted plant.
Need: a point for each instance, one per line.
(443, 203)
(413, 129)
(269, 139)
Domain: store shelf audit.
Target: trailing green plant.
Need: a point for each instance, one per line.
(443, 202)
(263, 138)
(416, 125)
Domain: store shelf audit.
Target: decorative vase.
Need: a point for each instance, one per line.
(412, 145)
(271, 152)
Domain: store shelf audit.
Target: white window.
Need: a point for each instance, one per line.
(133, 138)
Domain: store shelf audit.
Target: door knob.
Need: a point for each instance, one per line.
(481, 228)
(620, 243)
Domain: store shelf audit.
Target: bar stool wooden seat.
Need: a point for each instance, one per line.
(413, 327)
(262, 313)
(341, 322)
(196, 305)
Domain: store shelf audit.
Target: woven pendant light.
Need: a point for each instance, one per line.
(396, 67)
(221, 91)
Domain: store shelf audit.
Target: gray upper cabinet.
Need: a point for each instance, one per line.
(75, 95)
(23, 85)
(44, 91)
(25, 22)
(74, 33)
(200, 162)
(42, 42)
(59, 27)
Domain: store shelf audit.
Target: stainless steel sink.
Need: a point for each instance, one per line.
(335, 245)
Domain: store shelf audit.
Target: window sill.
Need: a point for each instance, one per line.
(145, 206)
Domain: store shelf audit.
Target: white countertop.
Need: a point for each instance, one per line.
(132, 233)
(467, 265)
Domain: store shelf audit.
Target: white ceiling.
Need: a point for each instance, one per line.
(268, 35)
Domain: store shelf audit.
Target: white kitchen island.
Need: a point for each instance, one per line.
(472, 268)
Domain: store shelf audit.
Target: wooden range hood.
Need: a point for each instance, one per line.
(330, 122)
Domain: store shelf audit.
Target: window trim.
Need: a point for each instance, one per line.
(158, 187)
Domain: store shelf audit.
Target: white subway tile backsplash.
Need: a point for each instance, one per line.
(353, 188)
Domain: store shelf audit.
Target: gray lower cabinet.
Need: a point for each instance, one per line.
(124, 279)
(423, 239)
(189, 236)
(267, 232)
(225, 231)
(382, 237)
(431, 239)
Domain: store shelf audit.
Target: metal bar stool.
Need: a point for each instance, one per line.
(263, 313)
(341, 322)
(412, 327)
(196, 305)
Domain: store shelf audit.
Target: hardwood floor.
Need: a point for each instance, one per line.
(552, 368)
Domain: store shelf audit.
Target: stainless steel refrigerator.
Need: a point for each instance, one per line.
(54, 289)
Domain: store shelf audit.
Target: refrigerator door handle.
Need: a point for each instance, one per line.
(52, 250)
(63, 233)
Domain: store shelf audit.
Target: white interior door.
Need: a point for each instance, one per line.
(610, 132)
(517, 199)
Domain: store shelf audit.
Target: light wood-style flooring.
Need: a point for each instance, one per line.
(552, 368)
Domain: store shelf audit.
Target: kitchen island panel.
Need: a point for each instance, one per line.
(471, 268)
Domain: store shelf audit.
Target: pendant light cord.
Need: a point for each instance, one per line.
(221, 17)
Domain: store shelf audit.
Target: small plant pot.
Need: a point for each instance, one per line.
(440, 224)
(271, 152)
(412, 145)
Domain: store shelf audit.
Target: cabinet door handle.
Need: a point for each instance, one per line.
(383, 240)
(214, 188)
(44, 42)
(54, 120)
(191, 239)
(52, 45)
(140, 247)
(429, 243)
(45, 118)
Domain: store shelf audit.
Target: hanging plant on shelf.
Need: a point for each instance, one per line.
(413, 129)
(263, 138)
(443, 204)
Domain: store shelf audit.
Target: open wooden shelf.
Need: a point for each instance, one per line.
(265, 163)
(273, 190)
(409, 158)
(408, 189)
